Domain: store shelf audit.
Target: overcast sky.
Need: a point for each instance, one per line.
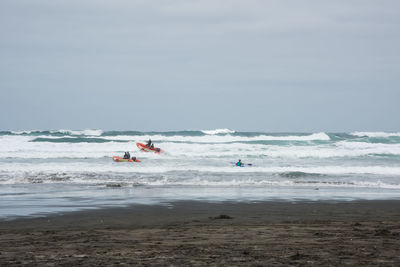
(303, 66)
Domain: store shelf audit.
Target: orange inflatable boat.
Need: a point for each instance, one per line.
(119, 159)
(143, 147)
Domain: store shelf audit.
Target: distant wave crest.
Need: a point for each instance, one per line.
(375, 134)
(88, 132)
(312, 137)
(218, 131)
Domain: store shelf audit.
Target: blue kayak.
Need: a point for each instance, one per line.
(242, 165)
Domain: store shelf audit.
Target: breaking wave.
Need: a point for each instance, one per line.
(375, 134)
(218, 131)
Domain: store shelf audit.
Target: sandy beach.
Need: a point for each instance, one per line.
(210, 234)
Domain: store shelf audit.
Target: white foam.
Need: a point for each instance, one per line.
(221, 138)
(24, 132)
(162, 176)
(233, 150)
(375, 134)
(87, 132)
(218, 131)
(20, 147)
(111, 167)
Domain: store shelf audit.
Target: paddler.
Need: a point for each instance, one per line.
(239, 163)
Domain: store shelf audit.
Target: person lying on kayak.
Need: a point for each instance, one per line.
(152, 146)
(127, 155)
(239, 163)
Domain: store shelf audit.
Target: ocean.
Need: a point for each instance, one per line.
(45, 172)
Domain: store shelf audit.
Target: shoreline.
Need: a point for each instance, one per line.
(27, 201)
(267, 211)
(336, 233)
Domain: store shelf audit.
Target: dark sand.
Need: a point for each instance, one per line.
(210, 234)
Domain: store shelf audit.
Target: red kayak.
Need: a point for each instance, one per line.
(143, 147)
(119, 159)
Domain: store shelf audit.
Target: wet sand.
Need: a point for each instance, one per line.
(210, 234)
